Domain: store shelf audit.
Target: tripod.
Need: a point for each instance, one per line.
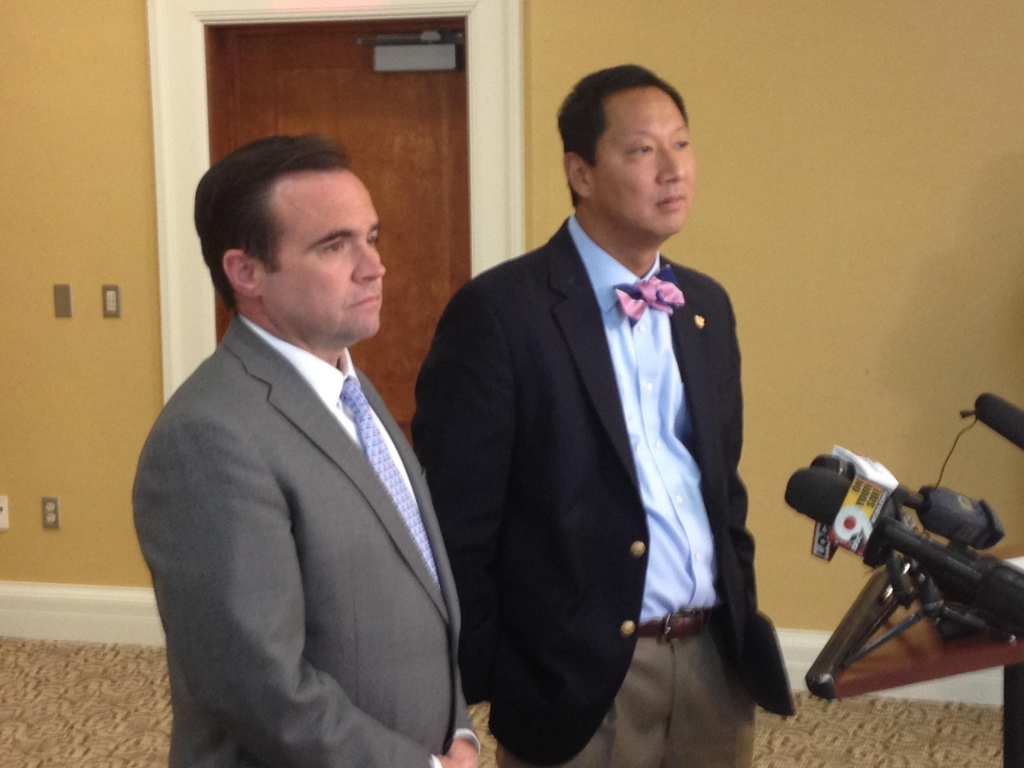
(926, 653)
(899, 583)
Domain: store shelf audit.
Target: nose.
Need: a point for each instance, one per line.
(671, 166)
(370, 266)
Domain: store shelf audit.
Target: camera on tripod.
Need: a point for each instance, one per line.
(860, 506)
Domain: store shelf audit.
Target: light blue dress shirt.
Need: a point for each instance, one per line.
(681, 564)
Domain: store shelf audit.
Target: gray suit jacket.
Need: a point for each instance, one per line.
(303, 628)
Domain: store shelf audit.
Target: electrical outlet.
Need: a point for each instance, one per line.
(5, 514)
(51, 512)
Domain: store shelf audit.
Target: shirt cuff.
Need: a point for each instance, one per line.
(460, 733)
(469, 735)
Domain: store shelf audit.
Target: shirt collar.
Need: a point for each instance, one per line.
(604, 271)
(324, 378)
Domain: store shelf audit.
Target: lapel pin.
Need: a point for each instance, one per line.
(698, 320)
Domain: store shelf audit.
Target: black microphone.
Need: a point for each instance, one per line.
(993, 588)
(940, 510)
(1002, 417)
(817, 492)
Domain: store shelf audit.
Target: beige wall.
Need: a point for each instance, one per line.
(76, 206)
(860, 194)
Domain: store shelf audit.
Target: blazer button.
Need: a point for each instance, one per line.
(638, 548)
(627, 628)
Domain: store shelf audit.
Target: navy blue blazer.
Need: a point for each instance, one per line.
(519, 426)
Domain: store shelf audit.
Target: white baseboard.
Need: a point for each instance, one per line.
(801, 647)
(79, 613)
(128, 615)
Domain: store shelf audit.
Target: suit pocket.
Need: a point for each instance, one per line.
(763, 669)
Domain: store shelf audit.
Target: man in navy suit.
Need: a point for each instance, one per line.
(579, 417)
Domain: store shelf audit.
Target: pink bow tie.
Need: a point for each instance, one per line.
(660, 292)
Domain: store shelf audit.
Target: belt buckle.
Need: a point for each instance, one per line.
(666, 627)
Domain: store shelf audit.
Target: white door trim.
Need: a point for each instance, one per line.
(182, 155)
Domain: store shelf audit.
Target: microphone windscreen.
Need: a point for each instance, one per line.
(817, 492)
(1002, 417)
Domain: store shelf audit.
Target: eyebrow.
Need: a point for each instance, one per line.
(648, 132)
(340, 234)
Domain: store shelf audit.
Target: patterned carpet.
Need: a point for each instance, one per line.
(106, 706)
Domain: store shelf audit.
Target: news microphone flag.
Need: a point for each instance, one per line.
(851, 529)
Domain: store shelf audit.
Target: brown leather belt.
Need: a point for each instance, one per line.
(675, 626)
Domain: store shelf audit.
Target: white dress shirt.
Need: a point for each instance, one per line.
(327, 381)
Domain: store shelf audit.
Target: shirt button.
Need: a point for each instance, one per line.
(638, 548)
(627, 628)
(648, 386)
(679, 499)
(698, 557)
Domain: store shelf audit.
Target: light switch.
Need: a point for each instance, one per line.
(111, 301)
(62, 300)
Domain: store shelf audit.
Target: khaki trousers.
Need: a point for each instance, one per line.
(679, 707)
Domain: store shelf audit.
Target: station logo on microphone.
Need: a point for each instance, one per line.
(852, 527)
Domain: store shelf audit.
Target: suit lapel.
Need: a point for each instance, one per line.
(693, 364)
(293, 398)
(579, 317)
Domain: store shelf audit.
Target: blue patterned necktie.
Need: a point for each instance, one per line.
(380, 459)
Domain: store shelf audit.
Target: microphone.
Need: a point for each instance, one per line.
(993, 588)
(870, 487)
(818, 493)
(941, 511)
(1002, 417)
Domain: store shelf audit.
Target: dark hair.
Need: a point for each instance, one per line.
(232, 199)
(581, 119)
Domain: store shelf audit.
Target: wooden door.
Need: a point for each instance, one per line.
(407, 136)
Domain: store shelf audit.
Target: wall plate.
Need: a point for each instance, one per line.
(51, 512)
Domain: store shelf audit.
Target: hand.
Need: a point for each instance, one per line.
(461, 755)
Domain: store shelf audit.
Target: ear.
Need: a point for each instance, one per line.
(244, 272)
(578, 173)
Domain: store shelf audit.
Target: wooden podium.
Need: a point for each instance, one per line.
(918, 655)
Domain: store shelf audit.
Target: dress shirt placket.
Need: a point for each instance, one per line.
(653, 389)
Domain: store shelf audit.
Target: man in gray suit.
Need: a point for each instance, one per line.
(310, 613)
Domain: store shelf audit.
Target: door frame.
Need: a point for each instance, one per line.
(177, 51)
